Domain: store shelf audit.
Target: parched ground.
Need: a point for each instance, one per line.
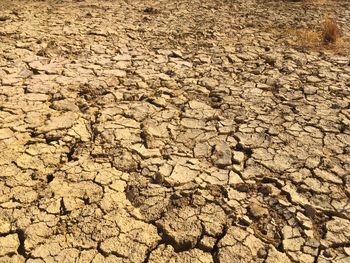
(173, 131)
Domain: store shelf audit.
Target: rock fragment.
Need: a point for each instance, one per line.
(338, 230)
(182, 174)
(222, 155)
(9, 244)
(5, 133)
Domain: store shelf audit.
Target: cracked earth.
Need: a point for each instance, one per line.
(172, 131)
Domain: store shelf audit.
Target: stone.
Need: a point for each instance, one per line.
(182, 174)
(257, 211)
(238, 157)
(9, 244)
(207, 243)
(115, 73)
(122, 57)
(167, 252)
(64, 121)
(310, 90)
(262, 253)
(338, 230)
(222, 155)
(239, 245)
(293, 244)
(5, 133)
(5, 226)
(144, 152)
(328, 176)
(234, 178)
(65, 105)
(275, 256)
(182, 227)
(313, 79)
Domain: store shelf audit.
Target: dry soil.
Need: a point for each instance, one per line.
(173, 131)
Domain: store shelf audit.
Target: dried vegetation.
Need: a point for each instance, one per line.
(326, 36)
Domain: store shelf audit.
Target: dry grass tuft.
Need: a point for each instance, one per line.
(307, 38)
(330, 31)
(326, 37)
